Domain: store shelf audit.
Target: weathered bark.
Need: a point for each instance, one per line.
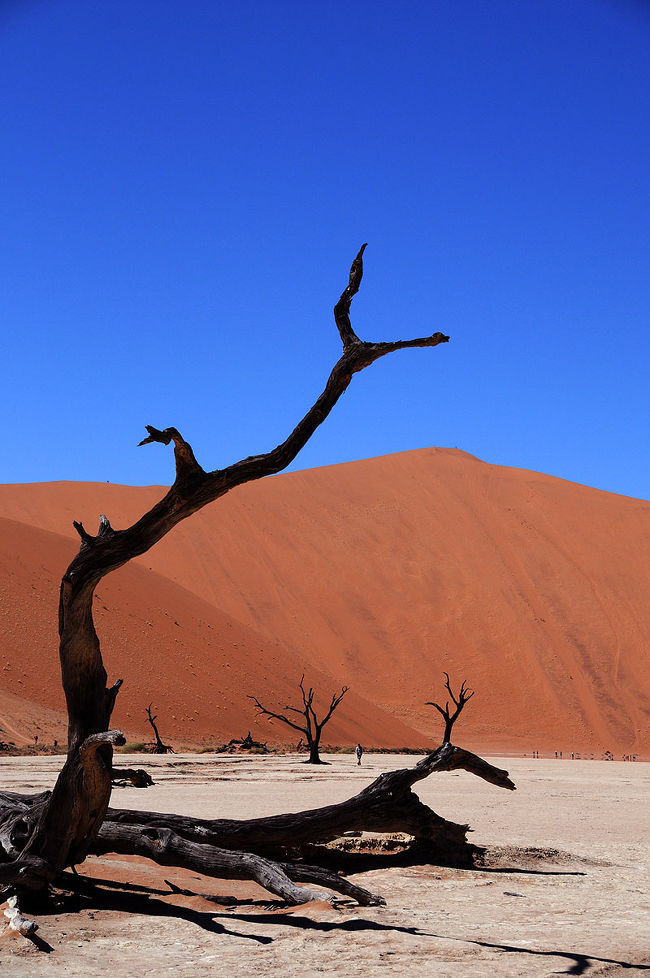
(312, 727)
(228, 847)
(386, 805)
(60, 830)
(170, 848)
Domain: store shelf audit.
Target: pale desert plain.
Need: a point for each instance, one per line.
(564, 888)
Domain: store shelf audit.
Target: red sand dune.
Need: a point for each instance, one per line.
(196, 664)
(379, 574)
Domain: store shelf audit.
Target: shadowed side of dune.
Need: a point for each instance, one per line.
(196, 664)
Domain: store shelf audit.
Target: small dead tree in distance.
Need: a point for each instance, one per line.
(159, 747)
(464, 694)
(312, 727)
(41, 834)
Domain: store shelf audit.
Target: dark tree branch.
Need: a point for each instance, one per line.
(186, 464)
(308, 711)
(168, 848)
(86, 537)
(105, 529)
(111, 695)
(195, 488)
(336, 699)
(262, 711)
(342, 307)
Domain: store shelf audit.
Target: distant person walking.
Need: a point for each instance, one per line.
(358, 750)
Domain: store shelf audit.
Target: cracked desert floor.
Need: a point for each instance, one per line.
(567, 891)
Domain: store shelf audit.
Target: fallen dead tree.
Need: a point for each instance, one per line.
(271, 850)
(135, 776)
(41, 835)
(241, 744)
(388, 805)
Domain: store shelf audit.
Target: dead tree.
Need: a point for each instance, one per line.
(159, 747)
(42, 834)
(464, 694)
(312, 727)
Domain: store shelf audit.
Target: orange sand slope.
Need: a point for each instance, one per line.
(196, 664)
(379, 574)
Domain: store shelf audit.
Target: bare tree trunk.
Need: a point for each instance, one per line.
(61, 829)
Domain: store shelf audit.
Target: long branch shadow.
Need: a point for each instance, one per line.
(327, 926)
(579, 966)
(111, 895)
(92, 895)
(581, 962)
(100, 894)
(87, 884)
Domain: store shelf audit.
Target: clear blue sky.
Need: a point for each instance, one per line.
(184, 185)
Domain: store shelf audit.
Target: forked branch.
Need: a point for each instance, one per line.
(464, 694)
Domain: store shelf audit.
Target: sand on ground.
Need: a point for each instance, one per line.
(585, 911)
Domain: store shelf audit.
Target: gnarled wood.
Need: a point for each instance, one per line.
(39, 839)
(169, 848)
(386, 805)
